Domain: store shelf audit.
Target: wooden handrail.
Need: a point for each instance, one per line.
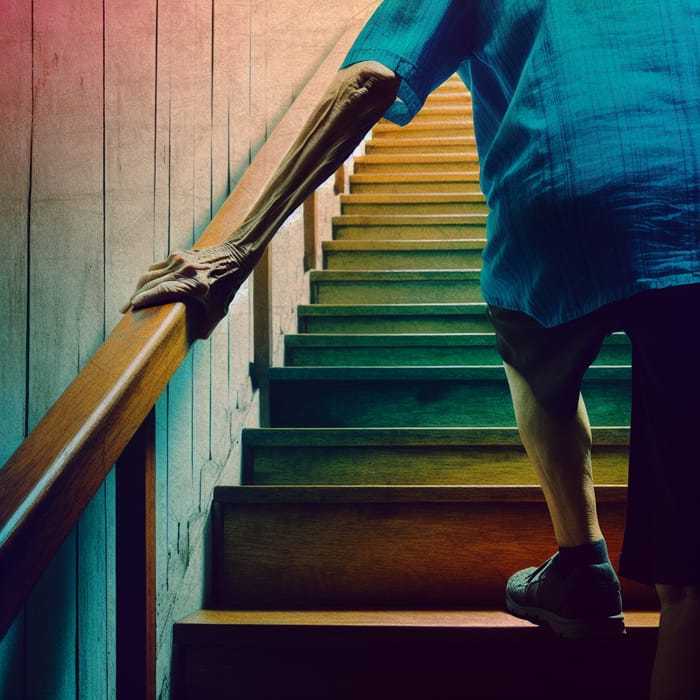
(53, 475)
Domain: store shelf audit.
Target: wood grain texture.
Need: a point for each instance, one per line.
(395, 547)
(406, 653)
(106, 188)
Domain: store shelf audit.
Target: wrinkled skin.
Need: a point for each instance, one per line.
(208, 279)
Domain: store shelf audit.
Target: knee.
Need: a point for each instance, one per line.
(671, 595)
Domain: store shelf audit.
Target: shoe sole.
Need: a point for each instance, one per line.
(569, 628)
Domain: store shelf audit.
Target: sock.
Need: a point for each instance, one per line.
(570, 557)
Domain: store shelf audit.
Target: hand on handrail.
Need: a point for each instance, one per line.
(206, 279)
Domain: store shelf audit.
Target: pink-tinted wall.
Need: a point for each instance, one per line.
(123, 126)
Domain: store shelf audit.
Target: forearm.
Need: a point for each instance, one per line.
(356, 99)
(354, 102)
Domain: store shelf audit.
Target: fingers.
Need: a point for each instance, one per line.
(165, 291)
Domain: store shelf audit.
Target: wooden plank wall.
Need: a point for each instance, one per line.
(123, 126)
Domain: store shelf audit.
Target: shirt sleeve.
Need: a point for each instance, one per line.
(423, 41)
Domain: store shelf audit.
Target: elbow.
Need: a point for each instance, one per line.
(369, 87)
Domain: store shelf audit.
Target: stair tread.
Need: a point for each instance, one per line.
(196, 624)
(393, 275)
(395, 139)
(408, 219)
(412, 494)
(392, 309)
(412, 198)
(430, 158)
(407, 437)
(405, 245)
(429, 374)
(407, 339)
(390, 339)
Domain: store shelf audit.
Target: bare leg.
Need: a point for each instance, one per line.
(676, 674)
(560, 450)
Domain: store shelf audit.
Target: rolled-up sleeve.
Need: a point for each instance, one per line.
(423, 41)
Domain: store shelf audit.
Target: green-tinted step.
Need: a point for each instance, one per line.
(386, 350)
(416, 163)
(415, 349)
(394, 287)
(288, 456)
(350, 397)
(403, 255)
(395, 143)
(393, 318)
(467, 183)
(406, 227)
(408, 204)
(385, 546)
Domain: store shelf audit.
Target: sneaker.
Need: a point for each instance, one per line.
(586, 602)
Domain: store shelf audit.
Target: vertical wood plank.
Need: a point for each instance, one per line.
(181, 483)
(66, 311)
(15, 153)
(202, 214)
(160, 243)
(130, 82)
(224, 17)
(136, 561)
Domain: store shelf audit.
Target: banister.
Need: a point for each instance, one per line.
(55, 472)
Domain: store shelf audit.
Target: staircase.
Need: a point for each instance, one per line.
(367, 553)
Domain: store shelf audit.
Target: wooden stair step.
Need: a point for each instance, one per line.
(415, 184)
(402, 226)
(394, 286)
(403, 456)
(402, 254)
(416, 163)
(390, 143)
(427, 129)
(410, 654)
(393, 318)
(347, 397)
(451, 96)
(432, 112)
(357, 547)
(416, 349)
(423, 204)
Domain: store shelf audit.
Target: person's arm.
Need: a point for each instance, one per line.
(356, 99)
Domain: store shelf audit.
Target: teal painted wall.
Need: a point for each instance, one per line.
(123, 127)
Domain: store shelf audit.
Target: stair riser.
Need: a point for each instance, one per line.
(402, 232)
(362, 186)
(392, 146)
(399, 292)
(413, 208)
(462, 164)
(395, 555)
(449, 403)
(343, 465)
(408, 355)
(453, 323)
(412, 663)
(402, 260)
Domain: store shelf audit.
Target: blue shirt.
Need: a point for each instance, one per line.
(587, 121)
